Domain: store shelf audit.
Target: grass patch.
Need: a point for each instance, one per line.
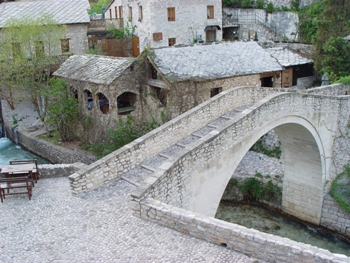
(341, 189)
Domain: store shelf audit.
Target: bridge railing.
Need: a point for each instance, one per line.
(130, 156)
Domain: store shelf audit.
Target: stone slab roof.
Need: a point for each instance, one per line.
(92, 68)
(288, 58)
(63, 11)
(206, 62)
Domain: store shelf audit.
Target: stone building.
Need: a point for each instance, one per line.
(108, 89)
(72, 13)
(183, 77)
(161, 23)
(174, 80)
(298, 70)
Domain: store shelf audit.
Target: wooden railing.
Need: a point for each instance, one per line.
(106, 23)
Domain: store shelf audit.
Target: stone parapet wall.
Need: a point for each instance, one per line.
(334, 217)
(239, 238)
(51, 152)
(130, 156)
(58, 170)
(329, 90)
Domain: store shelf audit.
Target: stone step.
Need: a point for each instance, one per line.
(153, 163)
(137, 175)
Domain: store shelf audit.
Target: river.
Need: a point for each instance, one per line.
(265, 221)
(10, 151)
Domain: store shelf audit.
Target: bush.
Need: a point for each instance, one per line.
(260, 4)
(270, 8)
(123, 134)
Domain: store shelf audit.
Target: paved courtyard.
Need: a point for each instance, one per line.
(97, 226)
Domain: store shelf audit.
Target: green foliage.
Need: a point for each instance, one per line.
(14, 120)
(254, 189)
(248, 3)
(260, 4)
(251, 188)
(341, 189)
(344, 80)
(124, 133)
(334, 21)
(295, 5)
(63, 109)
(336, 58)
(308, 19)
(29, 49)
(270, 8)
(123, 33)
(232, 3)
(259, 147)
(96, 8)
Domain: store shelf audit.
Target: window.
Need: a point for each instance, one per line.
(171, 14)
(171, 41)
(103, 102)
(39, 48)
(120, 12)
(210, 12)
(65, 45)
(88, 97)
(110, 14)
(116, 11)
(126, 102)
(140, 13)
(130, 13)
(215, 91)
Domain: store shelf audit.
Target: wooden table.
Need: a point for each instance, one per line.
(18, 169)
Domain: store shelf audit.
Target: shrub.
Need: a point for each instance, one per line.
(270, 8)
(260, 4)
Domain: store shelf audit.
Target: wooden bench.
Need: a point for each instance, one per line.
(35, 171)
(13, 183)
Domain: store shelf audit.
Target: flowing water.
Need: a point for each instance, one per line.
(10, 151)
(265, 221)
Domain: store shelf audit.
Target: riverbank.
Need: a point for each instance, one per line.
(23, 127)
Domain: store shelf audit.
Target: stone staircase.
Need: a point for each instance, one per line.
(148, 167)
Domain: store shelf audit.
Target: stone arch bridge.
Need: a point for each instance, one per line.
(195, 154)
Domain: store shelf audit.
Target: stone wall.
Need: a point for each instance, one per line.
(51, 152)
(58, 170)
(130, 156)
(334, 217)
(276, 26)
(251, 242)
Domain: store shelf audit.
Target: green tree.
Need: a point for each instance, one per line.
(336, 58)
(28, 55)
(63, 109)
(308, 17)
(334, 21)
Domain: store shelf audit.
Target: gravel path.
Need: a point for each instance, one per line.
(97, 226)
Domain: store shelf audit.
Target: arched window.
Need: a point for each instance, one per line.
(126, 102)
(103, 102)
(89, 99)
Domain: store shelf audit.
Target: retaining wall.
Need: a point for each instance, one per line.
(51, 152)
(334, 217)
(251, 242)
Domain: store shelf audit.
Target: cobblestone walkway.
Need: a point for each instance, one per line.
(97, 226)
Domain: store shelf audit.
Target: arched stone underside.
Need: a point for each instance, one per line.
(305, 170)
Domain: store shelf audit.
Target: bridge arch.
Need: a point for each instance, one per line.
(305, 170)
